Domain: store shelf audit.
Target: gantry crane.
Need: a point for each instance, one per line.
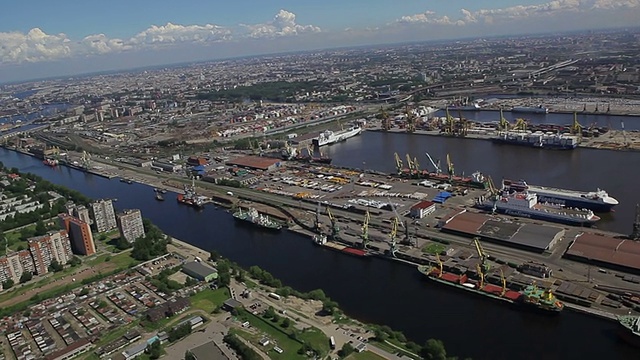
(450, 168)
(398, 164)
(392, 236)
(335, 229)
(484, 265)
(365, 230)
(503, 125)
(576, 127)
(411, 120)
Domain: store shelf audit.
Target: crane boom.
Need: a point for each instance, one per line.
(395, 212)
(398, 163)
(438, 170)
(365, 229)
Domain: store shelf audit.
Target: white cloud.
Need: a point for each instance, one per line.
(173, 33)
(17, 47)
(100, 44)
(518, 12)
(283, 24)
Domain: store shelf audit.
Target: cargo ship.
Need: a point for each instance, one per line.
(630, 329)
(530, 109)
(538, 139)
(253, 217)
(321, 240)
(598, 201)
(50, 162)
(526, 204)
(531, 297)
(190, 197)
(329, 137)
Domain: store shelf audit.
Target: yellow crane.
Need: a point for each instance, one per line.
(576, 128)
(392, 235)
(411, 120)
(416, 166)
(440, 266)
(334, 225)
(365, 229)
(503, 125)
(386, 120)
(481, 276)
(483, 256)
(450, 168)
(504, 283)
(398, 163)
(411, 165)
(521, 124)
(449, 123)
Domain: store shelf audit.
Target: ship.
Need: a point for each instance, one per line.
(530, 109)
(538, 139)
(539, 300)
(329, 137)
(190, 197)
(159, 196)
(321, 240)
(598, 201)
(630, 329)
(526, 204)
(292, 154)
(252, 216)
(50, 162)
(470, 107)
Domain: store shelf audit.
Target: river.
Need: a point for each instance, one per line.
(373, 290)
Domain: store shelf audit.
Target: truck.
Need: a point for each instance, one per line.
(274, 296)
(332, 343)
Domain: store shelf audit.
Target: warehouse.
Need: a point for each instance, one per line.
(200, 271)
(607, 251)
(255, 163)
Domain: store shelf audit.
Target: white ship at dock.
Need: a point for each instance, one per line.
(329, 137)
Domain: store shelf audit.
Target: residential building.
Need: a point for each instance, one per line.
(104, 217)
(47, 248)
(130, 224)
(15, 264)
(79, 234)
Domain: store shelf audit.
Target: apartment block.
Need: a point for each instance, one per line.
(104, 217)
(130, 225)
(79, 234)
(15, 264)
(47, 248)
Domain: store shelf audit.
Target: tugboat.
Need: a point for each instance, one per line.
(50, 162)
(159, 197)
(190, 197)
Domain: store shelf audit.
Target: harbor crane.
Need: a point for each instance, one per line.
(335, 229)
(520, 125)
(450, 168)
(576, 127)
(440, 265)
(484, 265)
(365, 230)
(399, 166)
(392, 236)
(316, 224)
(86, 160)
(481, 276)
(503, 125)
(435, 166)
(449, 123)
(504, 283)
(413, 166)
(386, 120)
(411, 120)
(395, 212)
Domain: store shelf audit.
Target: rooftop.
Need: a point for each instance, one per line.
(606, 249)
(199, 268)
(253, 162)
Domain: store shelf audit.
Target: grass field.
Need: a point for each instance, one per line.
(365, 355)
(433, 248)
(208, 300)
(275, 336)
(119, 261)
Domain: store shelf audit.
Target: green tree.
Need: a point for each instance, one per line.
(286, 323)
(55, 266)
(154, 350)
(189, 356)
(7, 284)
(434, 350)
(41, 228)
(346, 350)
(26, 276)
(213, 255)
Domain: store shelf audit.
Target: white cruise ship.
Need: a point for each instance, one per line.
(525, 204)
(329, 137)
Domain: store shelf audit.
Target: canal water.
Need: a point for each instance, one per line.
(372, 290)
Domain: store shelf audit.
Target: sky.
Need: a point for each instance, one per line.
(45, 38)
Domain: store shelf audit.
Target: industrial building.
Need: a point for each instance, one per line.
(130, 225)
(79, 234)
(422, 209)
(207, 351)
(531, 237)
(255, 163)
(608, 251)
(104, 217)
(199, 271)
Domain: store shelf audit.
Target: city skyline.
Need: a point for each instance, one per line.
(70, 39)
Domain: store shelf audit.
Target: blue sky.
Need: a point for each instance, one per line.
(44, 35)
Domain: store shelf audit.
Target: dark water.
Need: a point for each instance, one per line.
(580, 169)
(372, 290)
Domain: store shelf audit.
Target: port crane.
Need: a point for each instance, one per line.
(399, 167)
(520, 125)
(503, 280)
(436, 166)
(411, 120)
(386, 120)
(576, 127)
(413, 166)
(392, 236)
(316, 224)
(503, 125)
(449, 123)
(335, 229)
(481, 276)
(365, 230)
(484, 265)
(450, 168)
(86, 160)
(440, 265)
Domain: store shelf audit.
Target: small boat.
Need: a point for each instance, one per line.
(159, 197)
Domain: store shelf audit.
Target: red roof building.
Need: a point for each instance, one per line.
(422, 209)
